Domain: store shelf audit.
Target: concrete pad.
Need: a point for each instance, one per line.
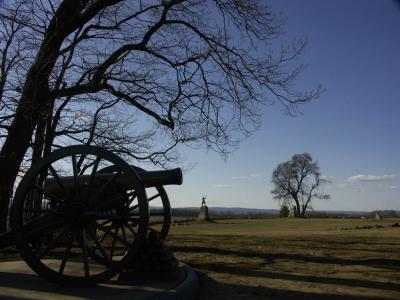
(18, 281)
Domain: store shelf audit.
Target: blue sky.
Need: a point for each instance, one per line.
(352, 130)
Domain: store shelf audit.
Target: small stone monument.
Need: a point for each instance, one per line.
(292, 211)
(203, 215)
(378, 216)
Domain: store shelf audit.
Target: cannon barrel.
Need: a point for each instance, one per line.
(163, 177)
(149, 179)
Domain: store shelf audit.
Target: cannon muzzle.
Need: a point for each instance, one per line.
(164, 177)
(149, 179)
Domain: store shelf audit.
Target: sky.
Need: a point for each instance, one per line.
(352, 130)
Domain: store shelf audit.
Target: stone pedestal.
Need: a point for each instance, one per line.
(203, 215)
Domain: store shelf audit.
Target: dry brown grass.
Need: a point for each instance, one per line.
(292, 258)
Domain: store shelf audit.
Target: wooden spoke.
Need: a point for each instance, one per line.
(94, 171)
(58, 180)
(105, 229)
(76, 181)
(53, 242)
(79, 164)
(105, 186)
(113, 242)
(100, 247)
(124, 233)
(42, 225)
(107, 232)
(132, 194)
(153, 197)
(154, 230)
(150, 199)
(85, 253)
(103, 236)
(66, 255)
(131, 229)
(132, 208)
(105, 222)
(74, 167)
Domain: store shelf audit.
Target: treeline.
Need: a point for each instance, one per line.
(219, 212)
(369, 215)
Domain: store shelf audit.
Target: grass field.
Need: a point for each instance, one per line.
(292, 258)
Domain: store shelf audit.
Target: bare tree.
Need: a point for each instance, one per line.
(297, 182)
(94, 123)
(192, 68)
(13, 55)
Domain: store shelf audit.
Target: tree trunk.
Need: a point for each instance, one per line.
(11, 156)
(44, 135)
(35, 101)
(38, 144)
(296, 200)
(50, 131)
(31, 105)
(303, 210)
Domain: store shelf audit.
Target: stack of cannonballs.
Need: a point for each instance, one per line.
(154, 256)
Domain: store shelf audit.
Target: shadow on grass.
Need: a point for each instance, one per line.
(355, 242)
(211, 289)
(251, 272)
(391, 264)
(302, 257)
(348, 249)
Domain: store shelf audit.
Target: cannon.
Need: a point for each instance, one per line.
(80, 214)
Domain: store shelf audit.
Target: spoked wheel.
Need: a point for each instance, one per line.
(63, 206)
(159, 205)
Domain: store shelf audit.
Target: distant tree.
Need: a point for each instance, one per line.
(297, 182)
(284, 212)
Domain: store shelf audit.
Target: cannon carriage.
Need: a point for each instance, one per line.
(80, 215)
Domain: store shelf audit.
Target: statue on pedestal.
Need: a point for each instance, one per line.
(203, 215)
(203, 201)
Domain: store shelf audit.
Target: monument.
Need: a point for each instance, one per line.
(292, 211)
(203, 215)
(378, 216)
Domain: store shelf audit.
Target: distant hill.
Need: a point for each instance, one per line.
(258, 212)
(344, 213)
